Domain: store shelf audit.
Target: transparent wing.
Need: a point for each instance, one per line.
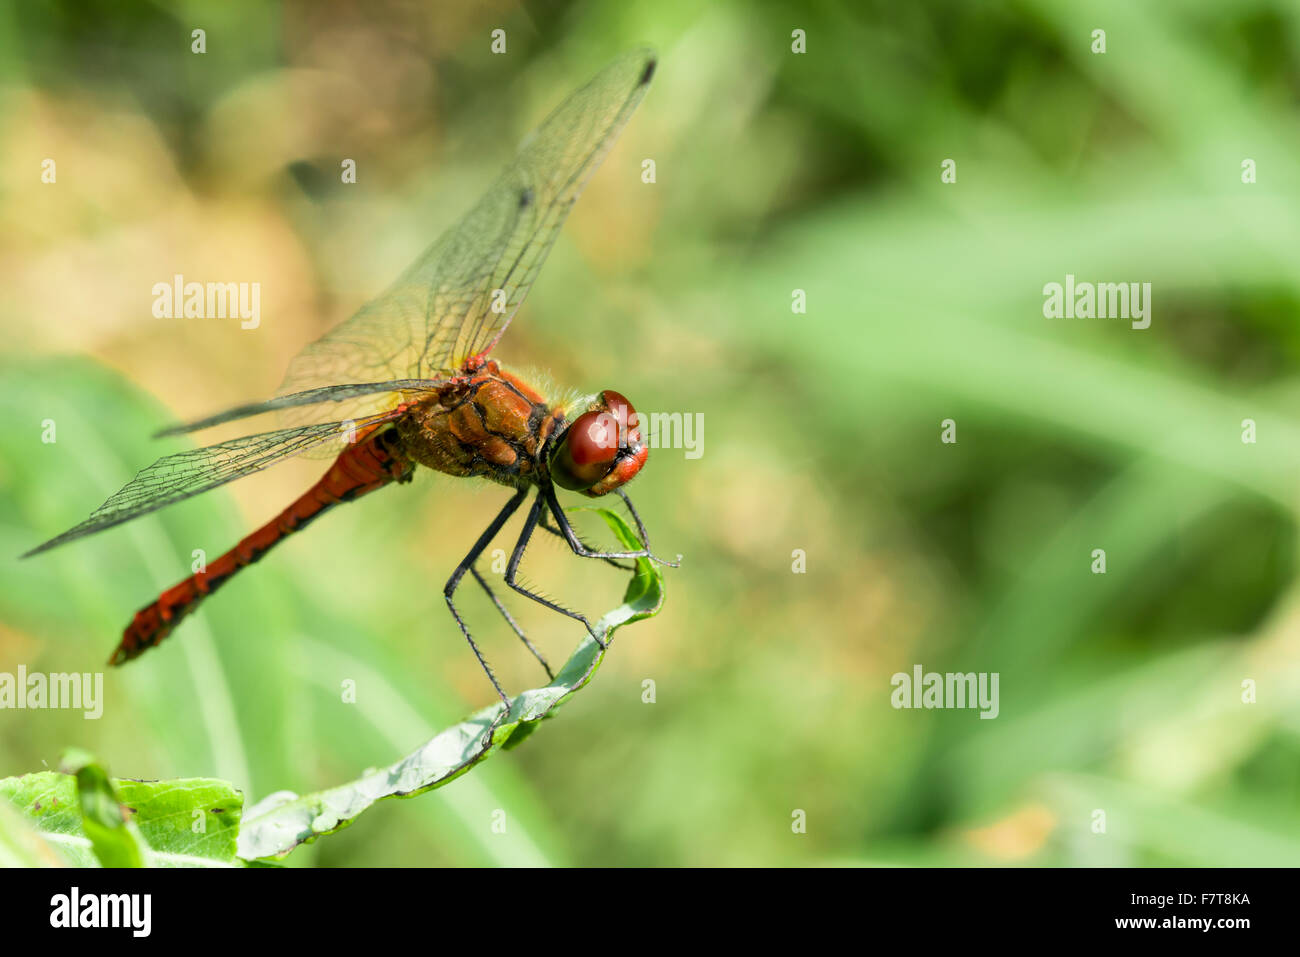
(338, 393)
(456, 300)
(176, 477)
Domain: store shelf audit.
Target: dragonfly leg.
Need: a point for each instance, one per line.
(545, 522)
(582, 550)
(530, 526)
(631, 510)
(465, 565)
(510, 619)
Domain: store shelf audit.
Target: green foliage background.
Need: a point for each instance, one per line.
(774, 172)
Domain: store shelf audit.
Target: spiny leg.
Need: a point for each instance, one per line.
(509, 618)
(636, 518)
(640, 526)
(465, 565)
(530, 526)
(580, 549)
(545, 522)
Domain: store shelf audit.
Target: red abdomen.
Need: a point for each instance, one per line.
(363, 467)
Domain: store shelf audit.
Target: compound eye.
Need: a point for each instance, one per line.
(628, 421)
(587, 451)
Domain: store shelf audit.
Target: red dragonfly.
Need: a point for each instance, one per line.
(412, 370)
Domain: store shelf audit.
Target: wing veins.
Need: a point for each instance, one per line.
(334, 393)
(174, 478)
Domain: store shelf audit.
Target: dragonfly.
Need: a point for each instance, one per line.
(408, 381)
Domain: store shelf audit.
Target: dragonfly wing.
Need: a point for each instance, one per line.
(456, 300)
(336, 393)
(176, 477)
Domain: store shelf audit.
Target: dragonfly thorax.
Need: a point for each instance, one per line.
(490, 424)
(493, 425)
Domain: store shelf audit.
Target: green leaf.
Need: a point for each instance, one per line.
(188, 822)
(48, 800)
(282, 821)
(93, 820)
(20, 843)
(114, 838)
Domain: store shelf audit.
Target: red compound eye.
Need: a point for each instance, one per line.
(587, 451)
(593, 444)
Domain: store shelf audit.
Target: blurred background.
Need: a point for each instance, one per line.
(775, 171)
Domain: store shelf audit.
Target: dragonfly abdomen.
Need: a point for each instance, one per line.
(363, 467)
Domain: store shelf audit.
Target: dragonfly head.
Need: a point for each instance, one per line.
(602, 449)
